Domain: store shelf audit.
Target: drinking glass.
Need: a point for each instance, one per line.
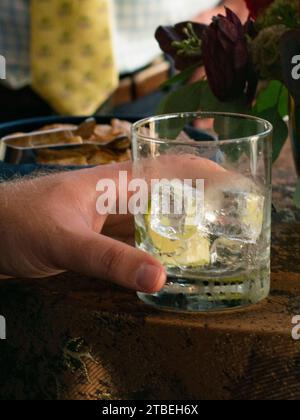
(208, 213)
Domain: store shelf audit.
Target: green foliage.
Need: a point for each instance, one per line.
(280, 12)
(184, 99)
(199, 97)
(280, 133)
(209, 103)
(272, 105)
(275, 94)
(265, 52)
(192, 45)
(181, 78)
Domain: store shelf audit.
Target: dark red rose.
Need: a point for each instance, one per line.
(256, 7)
(182, 42)
(227, 59)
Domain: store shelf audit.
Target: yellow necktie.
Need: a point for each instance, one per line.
(72, 60)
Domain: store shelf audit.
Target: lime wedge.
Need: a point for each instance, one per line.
(194, 253)
(178, 241)
(191, 249)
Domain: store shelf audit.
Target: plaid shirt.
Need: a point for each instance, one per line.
(134, 20)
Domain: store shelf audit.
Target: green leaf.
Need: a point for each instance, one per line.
(283, 106)
(280, 133)
(185, 99)
(198, 96)
(209, 103)
(297, 195)
(274, 95)
(182, 77)
(272, 105)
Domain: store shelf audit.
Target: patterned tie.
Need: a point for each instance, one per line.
(73, 66)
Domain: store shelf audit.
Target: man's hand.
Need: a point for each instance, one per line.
(49, 225)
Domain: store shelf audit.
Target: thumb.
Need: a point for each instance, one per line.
(98, 256)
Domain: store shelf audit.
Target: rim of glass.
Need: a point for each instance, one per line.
(264, 133)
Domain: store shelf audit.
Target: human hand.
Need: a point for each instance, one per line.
(50, 224)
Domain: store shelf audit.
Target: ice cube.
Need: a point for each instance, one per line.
(228, 253)
(234, 210)
(176, 208)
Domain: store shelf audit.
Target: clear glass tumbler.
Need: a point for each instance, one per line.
(215, 246)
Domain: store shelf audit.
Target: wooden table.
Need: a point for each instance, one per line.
(78, 338)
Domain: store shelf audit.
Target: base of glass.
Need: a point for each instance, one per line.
(186, 295)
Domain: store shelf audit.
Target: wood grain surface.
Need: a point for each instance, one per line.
(76, 338)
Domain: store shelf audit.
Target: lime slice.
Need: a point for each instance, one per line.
(178, 247)
(162, 244)
(191, 249)
(194, 253)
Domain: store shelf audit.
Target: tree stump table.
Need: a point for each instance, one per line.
(76, 338)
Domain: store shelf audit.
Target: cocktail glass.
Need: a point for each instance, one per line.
(215, 246)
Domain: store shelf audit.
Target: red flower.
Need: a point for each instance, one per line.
(256, 7)
(227, 59)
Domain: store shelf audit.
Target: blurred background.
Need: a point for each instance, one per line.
(88, 57)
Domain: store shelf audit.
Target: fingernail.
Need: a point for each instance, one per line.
(147, 277)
